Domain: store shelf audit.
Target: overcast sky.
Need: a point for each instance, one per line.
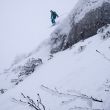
(23, 24)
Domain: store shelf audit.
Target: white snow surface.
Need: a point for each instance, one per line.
(70, 71)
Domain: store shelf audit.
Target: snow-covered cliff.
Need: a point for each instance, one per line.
(83, 21)
(75, 79)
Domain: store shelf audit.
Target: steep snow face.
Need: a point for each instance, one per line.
(83, 21)
(82, 70)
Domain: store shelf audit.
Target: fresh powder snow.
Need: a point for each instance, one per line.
(75, 79)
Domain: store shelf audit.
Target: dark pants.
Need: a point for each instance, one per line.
(53, 21)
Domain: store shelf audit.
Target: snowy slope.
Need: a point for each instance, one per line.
(74, 71)
(67, 80)
(42, 52)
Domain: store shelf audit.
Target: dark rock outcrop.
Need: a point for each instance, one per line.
(85, 28)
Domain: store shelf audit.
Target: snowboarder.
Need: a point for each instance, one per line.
(53, 16)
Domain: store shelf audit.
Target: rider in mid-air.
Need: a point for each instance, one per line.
(53, 16)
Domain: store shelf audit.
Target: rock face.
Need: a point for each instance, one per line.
(84, 28)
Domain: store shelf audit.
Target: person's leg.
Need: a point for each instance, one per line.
(53, 21)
